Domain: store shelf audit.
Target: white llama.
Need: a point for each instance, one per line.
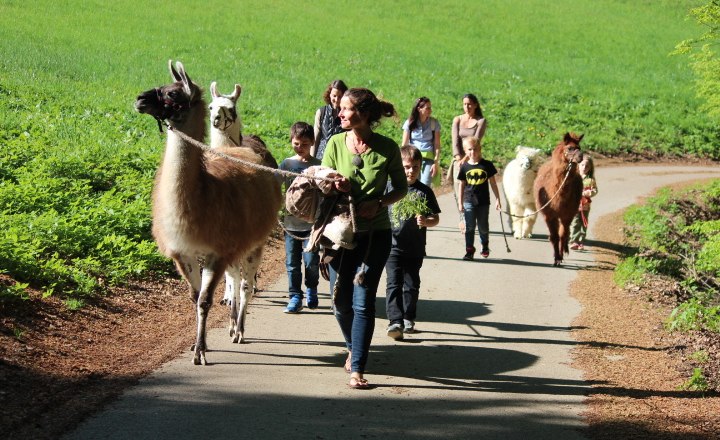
(225, 130)
(518, 178)
(204, 206)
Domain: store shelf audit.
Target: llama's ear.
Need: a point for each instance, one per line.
(173, 73)
(580, 137)
(236, 93)
(185, 78)
(213, 89)
(567, 138)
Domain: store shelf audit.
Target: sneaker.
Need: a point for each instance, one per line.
(485, 252)
(581, 247)
(312, 298)
(294, 305)
(409, 326)
(395, 331)
(574, 246)
(469, 254)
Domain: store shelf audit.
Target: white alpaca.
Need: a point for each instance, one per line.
(225, 130)
(204, 206)
(518, 178)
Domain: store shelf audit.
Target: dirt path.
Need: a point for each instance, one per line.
(492, 359)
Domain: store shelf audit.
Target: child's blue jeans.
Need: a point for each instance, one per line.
(476, 215)
(295, 258)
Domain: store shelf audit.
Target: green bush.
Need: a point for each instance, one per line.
(677, 235)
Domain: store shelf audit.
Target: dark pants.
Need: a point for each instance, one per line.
(354, 305)
(403, 287)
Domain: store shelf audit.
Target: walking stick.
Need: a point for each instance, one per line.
(507, 247)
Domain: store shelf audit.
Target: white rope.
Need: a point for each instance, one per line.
(244, 162)
(551, 198)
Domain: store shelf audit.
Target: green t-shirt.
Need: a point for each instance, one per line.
(368, 182)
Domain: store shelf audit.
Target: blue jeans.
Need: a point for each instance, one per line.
(476, 215)
(354, 306)
(403, 286)
(426, 172)
(295, 257)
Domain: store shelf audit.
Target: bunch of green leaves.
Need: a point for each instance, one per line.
(413, 204)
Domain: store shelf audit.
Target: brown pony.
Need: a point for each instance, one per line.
(558, 188)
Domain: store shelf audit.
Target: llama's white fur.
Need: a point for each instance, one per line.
(518, 178)
(225, 130)
(205, 207)
(225, 121)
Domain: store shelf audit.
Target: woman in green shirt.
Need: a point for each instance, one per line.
(366, 160)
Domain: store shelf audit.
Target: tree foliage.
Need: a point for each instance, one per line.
(704, 56)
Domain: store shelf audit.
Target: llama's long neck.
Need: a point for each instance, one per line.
(182, 165)
(226, 138)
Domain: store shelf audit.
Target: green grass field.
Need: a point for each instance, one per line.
(77, 161)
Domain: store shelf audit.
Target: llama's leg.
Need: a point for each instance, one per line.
(529, 221)
(189, 268)
(211, 274)
(229, 286)
(517, 223)
(564, 237)
(552, 225)
(250, 266)
(233, 278)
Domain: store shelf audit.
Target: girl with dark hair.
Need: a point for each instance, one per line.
(327, 122)
(366, 162)
(422, 131)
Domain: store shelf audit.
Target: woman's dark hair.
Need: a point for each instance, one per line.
(415, 112)
(337, 84)
(478, 110)
(368, 104)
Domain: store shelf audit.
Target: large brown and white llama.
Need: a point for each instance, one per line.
(204, 206)
(558, 188)
(518, 179)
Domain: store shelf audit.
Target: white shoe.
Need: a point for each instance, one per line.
(409, 326)
(395, 331)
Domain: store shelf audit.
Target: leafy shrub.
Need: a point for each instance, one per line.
(693, 315)
(632, 270)
(696, 382)
(678, 235)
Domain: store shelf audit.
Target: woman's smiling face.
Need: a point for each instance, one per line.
(349, 116)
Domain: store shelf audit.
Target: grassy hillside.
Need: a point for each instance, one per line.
(77, 163)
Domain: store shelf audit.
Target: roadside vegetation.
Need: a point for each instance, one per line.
(77, 163)
(674, 249)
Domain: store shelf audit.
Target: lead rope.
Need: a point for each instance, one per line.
(256, 166)
(569, 168)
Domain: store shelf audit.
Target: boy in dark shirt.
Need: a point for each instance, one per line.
(408, 249)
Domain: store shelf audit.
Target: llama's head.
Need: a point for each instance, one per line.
(171, 102)
(527, 157)
(568, 150)
(223, 108)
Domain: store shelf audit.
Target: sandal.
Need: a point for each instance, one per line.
(348, 363)
(358, 383)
